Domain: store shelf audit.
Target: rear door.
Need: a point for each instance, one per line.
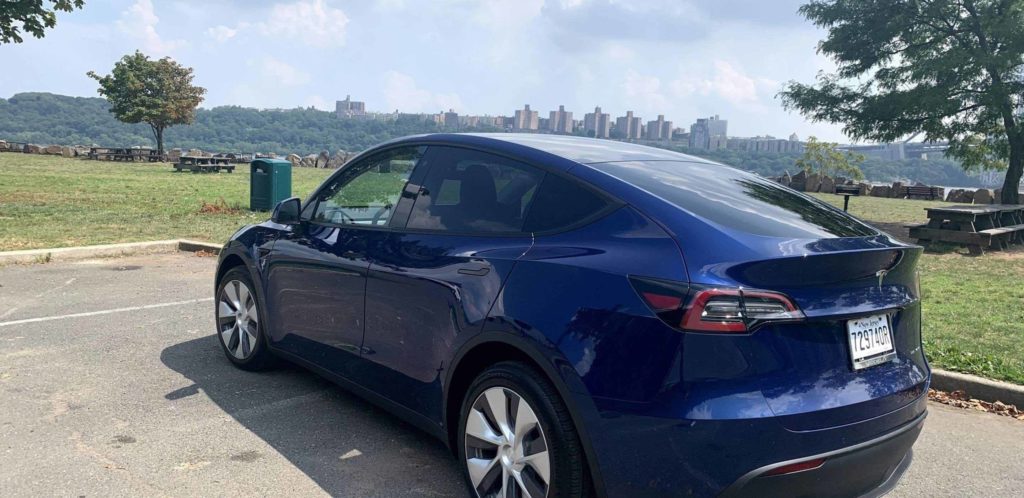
(434, 280)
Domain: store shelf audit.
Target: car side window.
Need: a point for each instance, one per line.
(469, 191)
(560, 203)
(366, 193)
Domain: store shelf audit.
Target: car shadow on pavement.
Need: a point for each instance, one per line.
(346, 445)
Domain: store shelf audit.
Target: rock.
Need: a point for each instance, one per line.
(954, 195)
(194, 153)
(827, 185)
(983, 196)
(798, 181)
(813, 183)
(323, 159)
(53, 150)
(295, 160)
(896, 191)
(997, 195)
(881, 191)
(786, 179)
(339, 159)
(309, 161)
(67, 151)
(865, 188)
(3, 146)
(33, 149)
(81, 151)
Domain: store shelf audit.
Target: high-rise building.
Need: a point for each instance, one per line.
(629, 127)
(451, 119)
(560, 121)
(526, 120)
(709, 133)
(659, 129)
(349, 108)
(597, 122)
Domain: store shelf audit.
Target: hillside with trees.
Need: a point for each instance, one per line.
(45, 118)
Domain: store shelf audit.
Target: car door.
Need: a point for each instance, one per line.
(435, 279)
(316, 272)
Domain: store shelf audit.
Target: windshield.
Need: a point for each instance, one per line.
(737, 200)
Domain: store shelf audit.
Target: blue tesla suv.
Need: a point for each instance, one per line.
(579, 317)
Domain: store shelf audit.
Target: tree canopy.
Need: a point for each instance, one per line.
(159, 93)
(825, 158)
(33, 16)
(950, 69)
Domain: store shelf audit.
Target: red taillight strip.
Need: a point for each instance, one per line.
(692, 319)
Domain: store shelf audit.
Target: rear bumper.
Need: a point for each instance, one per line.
(868, 469)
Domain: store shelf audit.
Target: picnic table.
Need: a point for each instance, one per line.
(125, 154)
(978, 227)
(202, 164)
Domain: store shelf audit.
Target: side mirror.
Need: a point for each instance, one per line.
(286, 212)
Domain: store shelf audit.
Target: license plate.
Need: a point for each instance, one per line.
(870, 341)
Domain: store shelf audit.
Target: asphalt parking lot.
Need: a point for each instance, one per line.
(112, 384)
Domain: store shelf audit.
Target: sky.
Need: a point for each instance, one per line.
(681, 58)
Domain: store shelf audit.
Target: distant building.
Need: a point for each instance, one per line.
(767, 144)
(560, 121)
(349, 108)
(629, 127)
(451, 119)
(526, 120)
(709, 133)
(659, 129)
(597, 122)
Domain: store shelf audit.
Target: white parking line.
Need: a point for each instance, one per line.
(103, 312)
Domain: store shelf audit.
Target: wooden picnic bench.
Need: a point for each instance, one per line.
(198, 164)
(921, 192)
(978, 227)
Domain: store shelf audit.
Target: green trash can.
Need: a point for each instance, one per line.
(270, 182)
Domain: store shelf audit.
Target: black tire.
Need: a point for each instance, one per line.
(259, 357)
(568, 476)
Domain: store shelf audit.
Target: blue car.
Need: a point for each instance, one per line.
(581, 317)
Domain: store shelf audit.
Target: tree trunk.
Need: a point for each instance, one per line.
(158, 134)
(1011, 184)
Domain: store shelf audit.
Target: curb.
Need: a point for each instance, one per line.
(35, 256)
(978, 387)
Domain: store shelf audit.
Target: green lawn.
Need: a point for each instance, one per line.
(973, 306)
(48, 201)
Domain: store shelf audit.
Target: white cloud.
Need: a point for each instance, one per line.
(644, 92)
(222, 33)
(727, 82)
(276, 70)
(312, 22)
(139, 22)
(402, 93)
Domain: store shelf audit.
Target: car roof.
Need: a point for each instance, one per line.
(577, 149)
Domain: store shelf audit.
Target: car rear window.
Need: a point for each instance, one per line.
(560, 203)
(738, 200)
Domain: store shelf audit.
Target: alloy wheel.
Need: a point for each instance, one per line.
(506, 451)
(238, 319)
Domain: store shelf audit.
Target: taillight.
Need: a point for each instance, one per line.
(722, 310)
(795, 467)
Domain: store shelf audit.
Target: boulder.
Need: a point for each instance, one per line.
(865, 188)
(786, 179)
(799, 180)
(339, 159)
(53, 150)
(295, 160)
(954, 195)
(827, 185)
(881, 191)
(309, 161)
(983, 196)
(997, 196)
(81, 151)
(3, 146)
(896, 191)
(323, 159)
(813, 183)
(67, 151)
(33, 149)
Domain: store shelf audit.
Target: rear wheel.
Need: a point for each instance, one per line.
(516, 438)
(240, 322)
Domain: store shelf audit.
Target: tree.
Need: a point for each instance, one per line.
(33, 16)
(159, 93)
(825, 159)
(950, 69)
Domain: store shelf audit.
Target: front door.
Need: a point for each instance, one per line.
(316, 274)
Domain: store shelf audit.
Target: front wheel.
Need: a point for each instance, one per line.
(516, 438)
(240, 322)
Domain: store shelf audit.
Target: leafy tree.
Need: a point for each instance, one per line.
(159, 93)
(950, 69)
(825, 159)
(33, 16)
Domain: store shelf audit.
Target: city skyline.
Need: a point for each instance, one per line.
(682, 60)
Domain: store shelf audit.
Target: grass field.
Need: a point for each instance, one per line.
(973, 306)
(48, 201)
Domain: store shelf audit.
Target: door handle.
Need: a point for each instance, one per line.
(476, 272)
